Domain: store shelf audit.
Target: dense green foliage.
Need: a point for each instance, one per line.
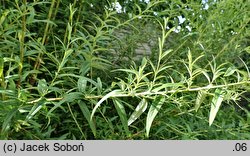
(83, 69)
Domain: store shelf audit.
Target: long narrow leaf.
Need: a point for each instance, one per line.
(122, 114)
(7, 120)
(86, 114)
(230, 71)
(70, 97)
(82, 84)
(35, 109)
(141, 107)
(165, 53)
(153, 110)
(215, 104)
(199, 99)
(114, 92)
(166, 85)
(1, 66)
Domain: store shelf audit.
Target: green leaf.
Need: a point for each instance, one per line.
(65, 58)
(199, 99)
(215, 104)
(153, 110)
(85, 67)
(165, 53)
(110, 94)
(4, 15)
(164, 86)
(26, 73)
(86, 114)
(42, 87)
(163, 68)
(99, 85)
(31, 16)
(190, 60)
(122, 114)
(230, 71)
(7, 120)
(143, 62)
(247, 49)
(62, 137)
(246, 75)
(141, 107)
(128, 71)
(206, 75)
(70, 97)
(35, 109)
(82, 84)
(53, 59)
(138, 7)
(1, 66)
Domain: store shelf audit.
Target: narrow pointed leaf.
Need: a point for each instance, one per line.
(199, 99)
(141, 107)
(99, 85)
(166, 85)
(153, 110)
(1, 66)
(65, 58)
(215, 104)
(42, 86)
(122, 114)
(35, 109)
(163, 68)
(230, 71)
(114, 92)
(70, 97)
(7, 121)
(82, 84)
(165, 53)
(86, 114)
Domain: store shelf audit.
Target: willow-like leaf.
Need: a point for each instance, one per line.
(7, 120)
(215, 104)
(141, 107)
(65, 58)
(110, 94)
(230, 71)
(42, 87)
(1, 66)
(153, 110)
(82, 84)
(86, 114)
(165, 53)
(199, 99)
(166, 85)
(122, 114)
(35, 109)
(70, 97)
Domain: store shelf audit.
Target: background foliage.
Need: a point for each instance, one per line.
(89, 69)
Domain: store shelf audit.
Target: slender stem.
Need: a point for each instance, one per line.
(21, 41)
(173, 91)
(76, 121)
(164, 93)
(78, 15)
(45, 35)
(56, 9)
(3, 85)
(48, 24)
